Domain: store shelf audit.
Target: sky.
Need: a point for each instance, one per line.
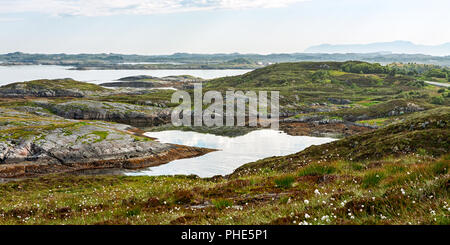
(215, 26)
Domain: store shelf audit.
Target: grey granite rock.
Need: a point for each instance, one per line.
(136, 115)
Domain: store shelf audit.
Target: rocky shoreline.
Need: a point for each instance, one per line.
(332, 130)
(41, 137)
(33, 169)
(135, 115)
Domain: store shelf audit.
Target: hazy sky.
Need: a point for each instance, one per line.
(215, 26)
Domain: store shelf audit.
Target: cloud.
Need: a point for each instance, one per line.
(142, 7)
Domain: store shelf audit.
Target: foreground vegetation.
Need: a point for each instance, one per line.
(408, 190)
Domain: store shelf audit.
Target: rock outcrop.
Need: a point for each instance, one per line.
(135, 115)
(52, 88)
(339, 101)
(50, 145)
(385, 109)
(144, 81)
(130, 84)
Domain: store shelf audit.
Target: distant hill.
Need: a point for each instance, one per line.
(343, 74)
(399, 47)
(211, 61)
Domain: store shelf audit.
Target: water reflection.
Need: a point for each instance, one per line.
(233, 152)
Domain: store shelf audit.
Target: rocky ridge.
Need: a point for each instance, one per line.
(144, 81)
(31, 144)
(135, 115)
(52, 88)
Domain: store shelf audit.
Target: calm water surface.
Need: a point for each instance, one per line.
(10, 74)
(233, 152)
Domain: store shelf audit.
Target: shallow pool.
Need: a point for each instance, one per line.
(232, 152)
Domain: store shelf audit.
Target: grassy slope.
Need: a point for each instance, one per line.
(312, 79)
(304, 83)
(424, 133)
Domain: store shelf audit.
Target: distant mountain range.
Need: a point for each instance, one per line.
(398, 47)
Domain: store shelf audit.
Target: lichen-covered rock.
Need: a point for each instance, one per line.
(41, 145)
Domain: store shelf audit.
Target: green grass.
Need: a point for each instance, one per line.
(222, 203)
(133, 212)
(395, 168)
(439, 167)
(316, 169)
(24, 132)
(102, 135)
(357, 166)
(375, 122)
(368, 103)
(284, 181)
(142, 138)
(372, 179)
